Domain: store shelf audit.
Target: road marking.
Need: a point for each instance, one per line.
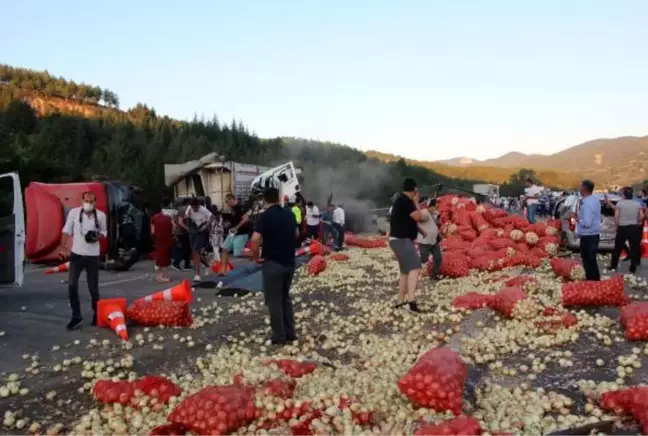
(132, 279)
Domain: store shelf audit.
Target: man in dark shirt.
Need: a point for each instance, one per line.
(405, 215)
(277, 229)
(239, 231)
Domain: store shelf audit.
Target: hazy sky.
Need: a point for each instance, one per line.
(426, 79)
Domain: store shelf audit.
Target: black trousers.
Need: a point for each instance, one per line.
(631, 235)
(339, 243)
(91, 266)
(182, 251)
(588, 249)
(277, 280)
(313, 231)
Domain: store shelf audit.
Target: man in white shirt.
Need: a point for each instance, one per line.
(532, 196)
(196, 221)
(312, 220)
(83, 229)
(338, 225)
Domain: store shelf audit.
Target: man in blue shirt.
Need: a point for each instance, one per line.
(588, 229)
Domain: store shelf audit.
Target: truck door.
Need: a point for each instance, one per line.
(12, 230)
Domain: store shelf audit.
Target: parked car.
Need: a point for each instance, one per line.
(571, 204)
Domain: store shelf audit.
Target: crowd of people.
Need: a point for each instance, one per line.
(193, 235)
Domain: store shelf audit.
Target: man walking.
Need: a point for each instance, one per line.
(339, 219)
(532, 197)
(429, 236)
(628, 216)
(196, 221)
(588, 229)
(83, 229)
(312, 220)
(277, 230)
(182, 246)
(405, 215)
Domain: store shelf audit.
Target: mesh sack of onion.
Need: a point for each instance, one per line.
(156, 313)
(590, 293)
(634, 319)
(436, 381)
(216, 410)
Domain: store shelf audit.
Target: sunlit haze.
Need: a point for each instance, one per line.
(425, 79)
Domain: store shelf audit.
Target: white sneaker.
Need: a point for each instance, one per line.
(196, 278)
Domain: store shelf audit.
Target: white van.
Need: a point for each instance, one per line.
(12, 231)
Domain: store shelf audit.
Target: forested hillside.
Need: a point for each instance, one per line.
(55, 130)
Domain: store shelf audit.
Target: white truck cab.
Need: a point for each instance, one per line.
(12, 231)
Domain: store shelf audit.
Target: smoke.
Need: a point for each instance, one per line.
(353, 183)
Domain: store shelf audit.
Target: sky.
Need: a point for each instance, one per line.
(428, 79)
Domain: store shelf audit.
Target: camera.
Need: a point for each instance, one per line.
(91, 237)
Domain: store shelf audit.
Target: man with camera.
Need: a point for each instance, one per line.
(83, 228)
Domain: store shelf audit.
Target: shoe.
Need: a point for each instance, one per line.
(74, 323)
(176, 268)
(94, 320)
(412, 307)
(197, 278)
(399, 305)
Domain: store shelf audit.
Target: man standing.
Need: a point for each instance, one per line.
(327, 225)
(338, 225)
(182, 248)
(588, 229)
(429, 236)
(83, 228)
(297, 212)
(277, 229)
(532, 197)
(312, 220)
(196, 222)
(403, 231)
(239, 232)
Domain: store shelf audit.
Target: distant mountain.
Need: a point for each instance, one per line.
(608, 161)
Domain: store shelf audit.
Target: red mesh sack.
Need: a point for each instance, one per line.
(505, 300)
(525, 259)
(461, 217)
(294, 368)
(553, 227)
(493, 214)
(155, 313)
(478, 221)
(279, 388)
(519, 222)
(216, 410)
(436, 381)
(108, 392)
(477, 252)
(487, 234)
(316, 265)
(632, 401)
(467, 234)
(522, 248)
(461, 425)
(472, 301)
(169, 430)
(539, 229)
(488, 262)
(568, 269)
(589, 293)
(454, 265)
(519, 281)
(471, 205)
(358, 241)
(550, 244)
(157, 387)
(634, 319)
(499, 243)
(539, 252)
(339, 257)
(455, 243)
(555, 321)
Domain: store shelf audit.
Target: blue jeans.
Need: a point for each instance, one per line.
(531, 212)
(339, 242)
